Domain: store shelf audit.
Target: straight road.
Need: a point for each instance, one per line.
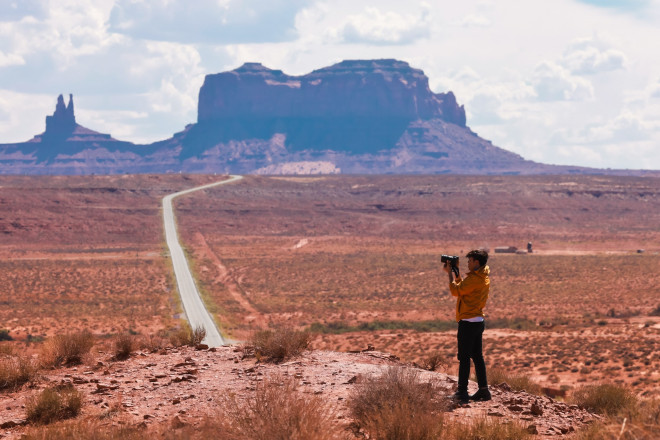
(195, 310)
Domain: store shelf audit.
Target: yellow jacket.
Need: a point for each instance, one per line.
(472, 293)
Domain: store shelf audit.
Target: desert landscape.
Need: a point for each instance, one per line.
(354, 260)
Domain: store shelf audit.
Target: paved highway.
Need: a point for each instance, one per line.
(192, 302)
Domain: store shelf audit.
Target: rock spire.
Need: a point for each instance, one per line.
(63, 121)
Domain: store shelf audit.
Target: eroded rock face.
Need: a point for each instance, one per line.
(62, 122)
(357, 89)
(361, 106)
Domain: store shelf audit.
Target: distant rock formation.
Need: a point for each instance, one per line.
(387, 89)
(360, 106)
(63, 122)
(354, 117)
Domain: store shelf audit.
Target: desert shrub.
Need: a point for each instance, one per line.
(123, 345)
(642, 423)
(187, 336)
(5, 336)
(275, 411)
(88, 429)
(517, 382)
(434, 325)
(434, 361)
(54, 404)
(152, 342)
(487, 428)
(6, 350)
(279, 344)
(396, 405)
(512, 323)
(67, 349)
(606, 399)
(16, 370)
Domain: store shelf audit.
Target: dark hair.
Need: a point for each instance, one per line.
(478, 254)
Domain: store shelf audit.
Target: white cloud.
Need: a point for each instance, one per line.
(11, 59)
(475, 20)
(654, 90)
(13, 10)
(207, 21)
(555, 83)
(590, 56)
(389, 28)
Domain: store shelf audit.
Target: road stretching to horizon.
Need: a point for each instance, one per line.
(192, 302)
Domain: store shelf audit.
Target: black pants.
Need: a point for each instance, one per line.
(469, 347)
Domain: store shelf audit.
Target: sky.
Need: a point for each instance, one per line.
(573, 82)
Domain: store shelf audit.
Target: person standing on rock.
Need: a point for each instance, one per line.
(471, 295)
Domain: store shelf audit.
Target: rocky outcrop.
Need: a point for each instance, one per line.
(354, 117)
(361, 106)
(63, 122)
(387, 89)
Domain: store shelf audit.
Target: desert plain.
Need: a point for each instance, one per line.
(354, 259)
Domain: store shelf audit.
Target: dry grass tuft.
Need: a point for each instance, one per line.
(487, 428)
(187, 336)
(67, 349)
(642, 423)
(435, 361)
(517, 382)
(124, 344)
(16, 370)
(54, 404)
(152, 342)
(87, 429)
(278, 411)
(606, 399)
(396, 405)
(279, 344)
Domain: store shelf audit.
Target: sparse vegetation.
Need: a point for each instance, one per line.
(435, 325)
(517, 381)
(640, 423)
(605, 398)
(278, 344)
(435, 361)
(5, 336)
(397, 405)
(487, 428)
(67, 349)
(16, 370)
(188, 336)
(84, 429)
(124, 344)
(278, 411)
(53, 404)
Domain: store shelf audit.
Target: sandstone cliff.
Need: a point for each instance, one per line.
(358, 116)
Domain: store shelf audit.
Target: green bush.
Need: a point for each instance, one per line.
(5, 336)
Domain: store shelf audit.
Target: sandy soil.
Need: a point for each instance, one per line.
(183, 386)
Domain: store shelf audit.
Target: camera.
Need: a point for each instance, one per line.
(452, 259)
(453, 262)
